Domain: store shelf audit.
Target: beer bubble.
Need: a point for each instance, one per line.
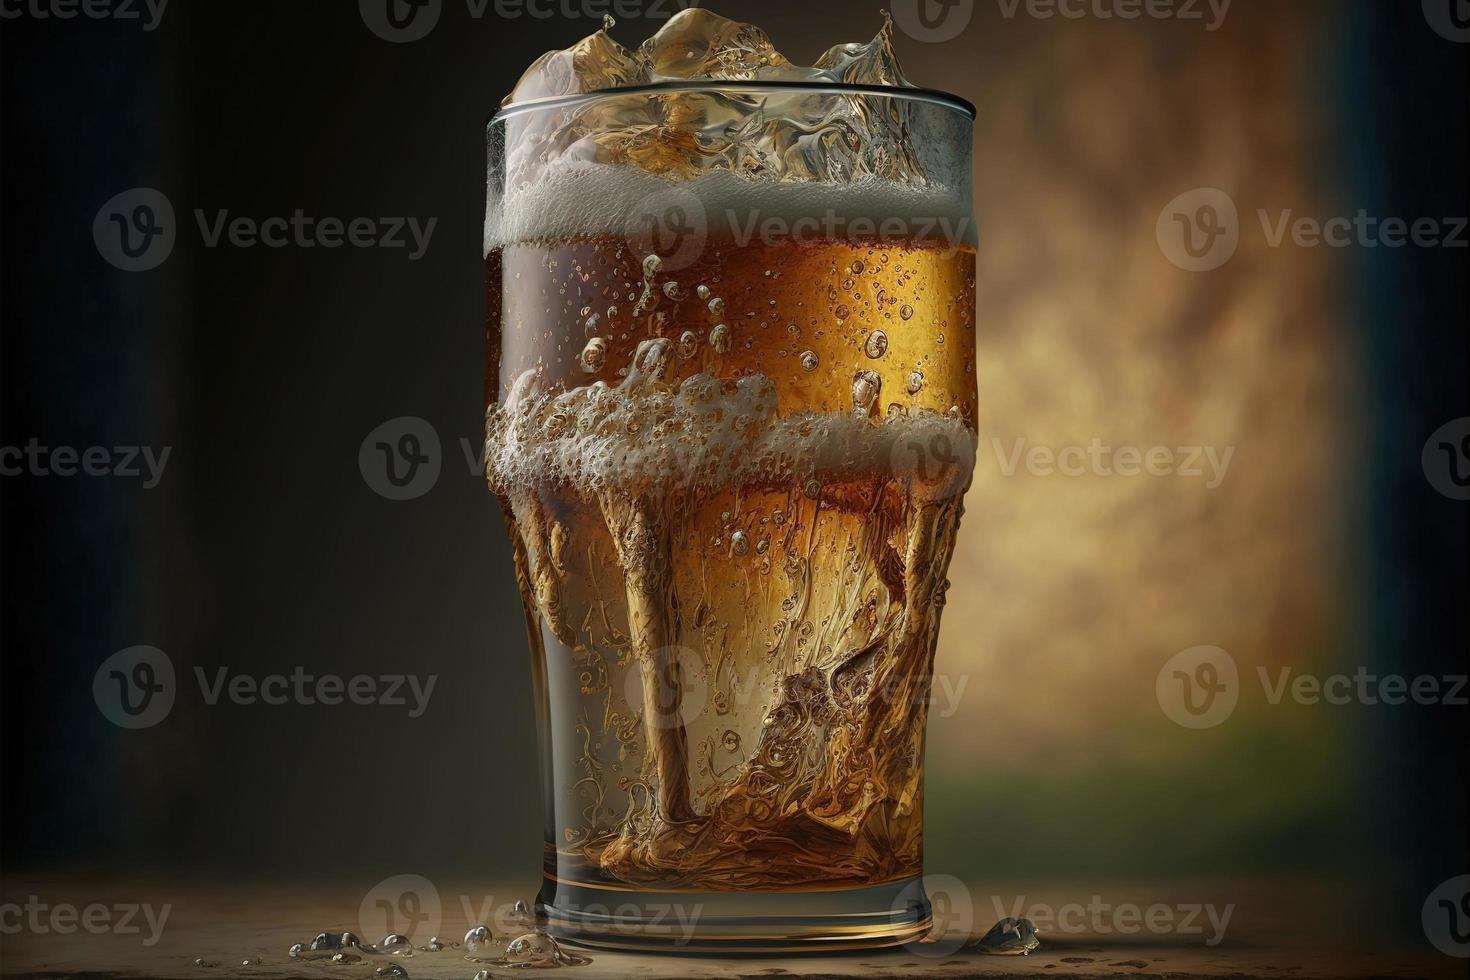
(593, 356)
(865, 388)
(688, 343)
(395, 945)
(702, 291)
(762, 546)
(673, 290)
(730, 740)
(857, 267)
(717, 307)
(876, 345)
(916, 382)
(476, 937)
(719, 338)
(651, 265)
(808, 360)
(841, 312)
(534, 949)
(739, 543)
(593, 326)
(906, 312)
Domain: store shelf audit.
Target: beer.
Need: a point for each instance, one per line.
(711, 534)
(732, 475)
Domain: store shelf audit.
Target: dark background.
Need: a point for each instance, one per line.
(263, 548)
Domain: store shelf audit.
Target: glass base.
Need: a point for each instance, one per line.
(604, 917)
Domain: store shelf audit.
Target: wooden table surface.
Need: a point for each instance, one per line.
(1284, 929)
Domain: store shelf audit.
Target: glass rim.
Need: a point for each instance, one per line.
(933, 96)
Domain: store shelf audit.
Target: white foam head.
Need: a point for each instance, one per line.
(649, 437)
(599, 200)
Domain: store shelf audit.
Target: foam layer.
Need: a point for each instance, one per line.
(597, 199)
(645, 437)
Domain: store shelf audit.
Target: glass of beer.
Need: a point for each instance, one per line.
(731, 408)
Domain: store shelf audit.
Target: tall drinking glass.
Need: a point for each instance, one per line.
(730, 420)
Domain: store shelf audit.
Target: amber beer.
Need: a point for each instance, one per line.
(730, 420)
